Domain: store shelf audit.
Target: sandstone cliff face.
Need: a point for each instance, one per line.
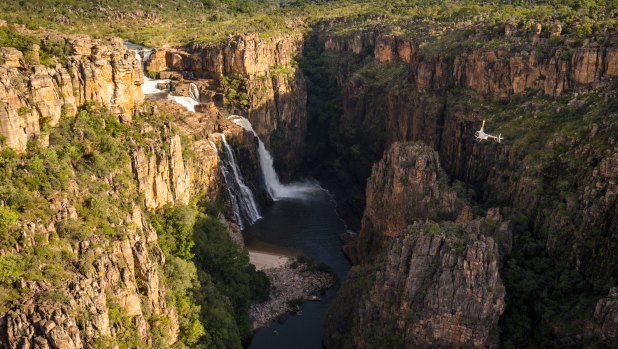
(404, 186)
(106, 73)
(164, 177)
(496, 73)
(428, 288)
(422, 282)
(276, 95)
(102, 72)
(123, 275)
(563, 181)
(171, 172)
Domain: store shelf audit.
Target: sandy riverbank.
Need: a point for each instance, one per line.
(267, 260)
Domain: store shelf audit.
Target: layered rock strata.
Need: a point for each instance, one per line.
(404, 186)
(423, 282)
(443, 99)
(34, 96)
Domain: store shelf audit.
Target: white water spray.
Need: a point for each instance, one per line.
(150, 87)
(275, 188)
(244, 204)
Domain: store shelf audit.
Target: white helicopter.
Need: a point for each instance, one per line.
(480, 135)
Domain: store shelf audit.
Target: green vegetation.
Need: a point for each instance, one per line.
(204, 269)
(50, 48)
(234, 86)
(543, 296)
(166, 21)
(314, 266)
(87, 164)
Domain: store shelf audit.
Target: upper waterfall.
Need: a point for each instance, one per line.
(275, 188)
(150, 87)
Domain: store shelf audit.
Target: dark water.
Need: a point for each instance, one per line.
(300, 226)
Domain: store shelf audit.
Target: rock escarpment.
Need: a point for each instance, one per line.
(407, 184)
(429, 283)
(121, 274)
(431, 288)
(186, 165)
(32, 95)
(606, 317)
(252, 76)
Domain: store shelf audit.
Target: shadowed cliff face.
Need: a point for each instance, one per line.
(552, 99)
(540, 87)
(97, 71)
(422, 282)
(404, 186)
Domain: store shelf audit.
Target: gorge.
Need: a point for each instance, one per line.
(133, 187)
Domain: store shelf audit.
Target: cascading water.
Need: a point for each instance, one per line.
(243, 202)
(275, 188)
(150, 87)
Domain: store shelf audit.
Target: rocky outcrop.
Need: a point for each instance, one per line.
(106, 73)
(163, 177)
(246, 54)
(422, 283)
(497, 73)
(436, 284)
(404, 186)
(292, 282)
(120, 277)
(606, 317)
(261, 68)
(34, 96)
(171, 172)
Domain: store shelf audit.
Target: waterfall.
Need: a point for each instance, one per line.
(275, 188)
(150, 86)
(186, 102)
(243, 202)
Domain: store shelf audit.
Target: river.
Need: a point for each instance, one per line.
(308, 226)
(301, 221)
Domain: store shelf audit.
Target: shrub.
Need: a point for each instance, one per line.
(9, 37)
(296, 303)
(56, 46)
(23, 110)
(55, 295)
(11, 268)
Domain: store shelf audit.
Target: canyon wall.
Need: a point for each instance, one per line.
(32, 95)
(113, 286)
(551, 98)
(422, 282)
(404, 186)
(442, 99)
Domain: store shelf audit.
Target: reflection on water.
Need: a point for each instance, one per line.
(300, 226)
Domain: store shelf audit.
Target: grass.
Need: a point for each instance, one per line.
(179, 22)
